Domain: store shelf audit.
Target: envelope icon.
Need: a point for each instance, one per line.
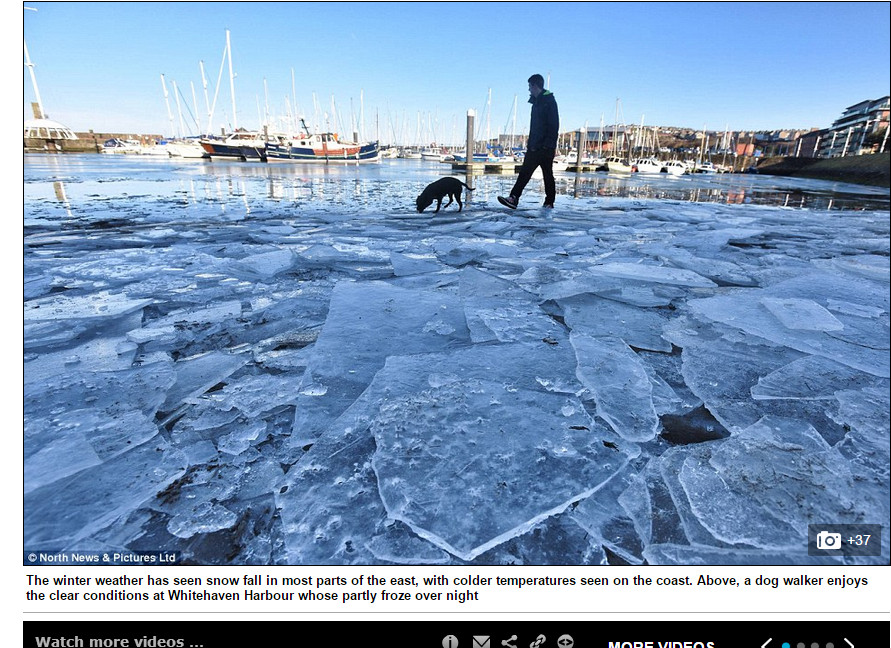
(481, 641)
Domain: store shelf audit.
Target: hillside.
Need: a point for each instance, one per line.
(872, 170)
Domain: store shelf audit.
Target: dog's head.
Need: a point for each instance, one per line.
(423, 202)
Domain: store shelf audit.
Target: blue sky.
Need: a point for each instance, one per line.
(746, 66)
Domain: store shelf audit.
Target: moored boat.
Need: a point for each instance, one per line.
(321, 148)
(240, 145)
(186, 148)
(648, 165)
(117, 146)
(616, 164)
(433, 153)
(675, 167)
(705, 167)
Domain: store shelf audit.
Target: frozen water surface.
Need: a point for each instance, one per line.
(274, 364)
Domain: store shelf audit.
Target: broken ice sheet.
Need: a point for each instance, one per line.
(197, 374)
(598, 317)
(812, 378)
(94, 498)
(763, 486)
(399, 546)
(655, 274)
(619, 384)
(256, 396)
(53, 320)
(407, 263)
(722, 367)
(803, 314)
(607, 521)
(472, 451)
(366, 323)
(62, 445)
(676, 554)
(330, 502)
(470, 464)
(744, 309)
(500, 310)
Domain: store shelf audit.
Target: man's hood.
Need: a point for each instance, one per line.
(544, 93)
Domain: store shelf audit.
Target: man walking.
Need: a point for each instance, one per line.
(544, 124)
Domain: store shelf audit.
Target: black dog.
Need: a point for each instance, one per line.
(438, 190)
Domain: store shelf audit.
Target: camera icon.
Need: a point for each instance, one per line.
(827, 540)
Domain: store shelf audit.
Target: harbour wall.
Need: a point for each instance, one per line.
(874, 170)
(89, 142)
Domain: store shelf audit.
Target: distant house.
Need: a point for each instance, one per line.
(856, 131)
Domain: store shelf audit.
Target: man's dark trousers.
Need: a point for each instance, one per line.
(543, 158)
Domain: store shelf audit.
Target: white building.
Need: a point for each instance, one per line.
(849, 134)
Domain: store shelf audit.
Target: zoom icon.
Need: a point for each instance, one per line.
(829, 541)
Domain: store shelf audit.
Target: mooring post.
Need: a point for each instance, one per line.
(469, 148)
(578, 163)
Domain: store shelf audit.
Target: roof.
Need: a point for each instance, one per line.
(48, 129)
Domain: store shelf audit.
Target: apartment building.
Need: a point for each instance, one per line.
(854, 133)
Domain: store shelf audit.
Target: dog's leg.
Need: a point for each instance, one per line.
(438, 203)
(458, 198)
(450, 201)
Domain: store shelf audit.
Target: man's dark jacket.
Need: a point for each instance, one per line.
(544, 122)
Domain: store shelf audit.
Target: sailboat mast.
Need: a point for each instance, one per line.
(600, 138)
(231, 82)
(179, 110)
(206, 99)
(167, 102)
(265, 103)
(195, 104)
(702, 146)
(616, 128)
(513, 128)
(294, 99)
(488, 112)
(216, 92)
(30, 66)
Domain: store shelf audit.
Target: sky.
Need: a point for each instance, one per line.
(413, 70)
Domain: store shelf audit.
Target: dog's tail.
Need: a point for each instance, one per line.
(468, 187)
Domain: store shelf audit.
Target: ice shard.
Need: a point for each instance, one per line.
(620, 385)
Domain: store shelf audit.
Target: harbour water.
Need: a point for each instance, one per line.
(272, 364)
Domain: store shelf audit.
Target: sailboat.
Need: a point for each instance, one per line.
(241, 144)
(618, 163)
(181, 147)
(646, 162)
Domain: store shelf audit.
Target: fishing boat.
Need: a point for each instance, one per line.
(240, 145)
(321, 148)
